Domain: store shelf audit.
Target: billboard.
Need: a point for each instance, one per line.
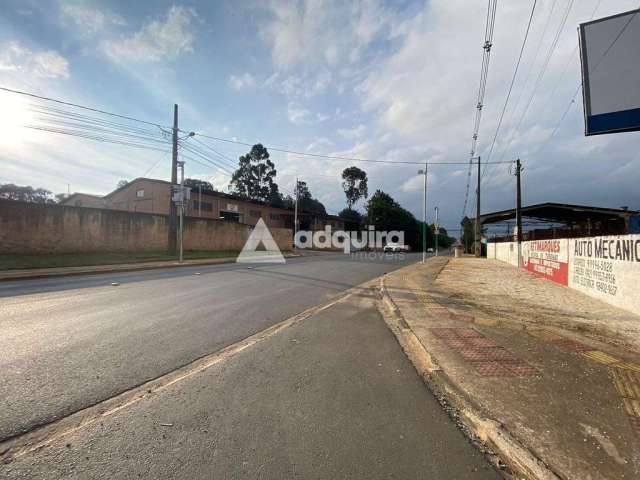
(610, 60)
(547, 258)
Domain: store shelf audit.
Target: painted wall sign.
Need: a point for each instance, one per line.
(548, 258)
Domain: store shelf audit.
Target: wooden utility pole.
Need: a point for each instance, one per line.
(478, 235)
(173, 211)
(519, 211)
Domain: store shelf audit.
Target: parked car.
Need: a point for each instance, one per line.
(429, 250)
(395, 247)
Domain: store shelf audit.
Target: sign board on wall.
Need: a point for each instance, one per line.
(607, 268)
(611, 73)
(547, 258)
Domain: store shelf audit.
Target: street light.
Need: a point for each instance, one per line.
(437, 230)
(424, 213)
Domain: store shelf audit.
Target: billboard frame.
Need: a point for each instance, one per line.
(610, 122)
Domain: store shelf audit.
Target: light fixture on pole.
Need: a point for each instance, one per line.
(424, 213)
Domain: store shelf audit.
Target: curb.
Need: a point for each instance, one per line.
(115, 268)
(484, 431)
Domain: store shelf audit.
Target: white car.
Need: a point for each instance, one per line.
(395, 247)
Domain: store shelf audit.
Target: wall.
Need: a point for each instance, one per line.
(607, 268)
(41, 228)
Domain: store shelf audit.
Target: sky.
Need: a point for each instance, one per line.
(393, 81)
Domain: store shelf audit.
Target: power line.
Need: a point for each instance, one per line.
(19, 92)
(484, 72)
(552, 49)
(513, 79)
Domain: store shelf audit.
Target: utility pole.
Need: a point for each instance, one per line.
(519, 211)
(424, 213)
(174, 180)
(295, 215)
(199, 200)
(478, 249)
(437, 231)
(183, 199)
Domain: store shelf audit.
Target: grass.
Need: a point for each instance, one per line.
(13, 262)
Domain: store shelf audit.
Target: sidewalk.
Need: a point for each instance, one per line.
(547, 377)
(31, 273)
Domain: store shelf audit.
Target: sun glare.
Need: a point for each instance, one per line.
(15, 115)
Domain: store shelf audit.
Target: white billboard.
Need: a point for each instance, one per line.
(610, 55)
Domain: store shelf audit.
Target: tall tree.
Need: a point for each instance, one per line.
(352, 219)
(468, 237)
(255, 176)
(354, 185)
(386, 214)
(194, 183)
(122, 183)
(306, 202)
(26, 193)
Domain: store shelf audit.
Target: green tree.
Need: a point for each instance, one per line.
(352, 219)
(122, 183)
(306, 202)
(255, 176)
(194, 183)
(468, 234)
(354, 185)
(26, 193)
(386, 214)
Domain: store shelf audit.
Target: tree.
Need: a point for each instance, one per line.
(254, 178)
(354, 185)
(468, 237)
(26, 193)
(306, 202)
(386, 214)
(194, 183)
(352, 219)
(122, 183)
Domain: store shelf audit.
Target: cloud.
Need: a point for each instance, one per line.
(158, 40)
(89, 20)
(14, 57)
(298, 115)
(241, 82)
(352, 133)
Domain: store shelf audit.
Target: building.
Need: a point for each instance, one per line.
(149, 195)
(84, 200)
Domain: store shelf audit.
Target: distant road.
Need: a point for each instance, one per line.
(68, 343)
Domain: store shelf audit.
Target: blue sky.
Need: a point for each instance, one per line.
(370, 79)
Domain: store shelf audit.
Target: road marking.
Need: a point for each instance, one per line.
(43, 436)
(601, 357)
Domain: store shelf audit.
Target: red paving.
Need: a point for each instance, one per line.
(487, 357)
(572, 345)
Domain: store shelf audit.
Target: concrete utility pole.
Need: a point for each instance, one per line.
(295, 215)
(174, 180)
(183, 198)
(437, 230)
(478, 249)
(424, 213)
(200, 200)
(519, 211)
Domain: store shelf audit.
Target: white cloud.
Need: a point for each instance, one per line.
(298, 115)
(241, 82)
(89, 20)
(158, 40)
(41, 64)
(352, 133)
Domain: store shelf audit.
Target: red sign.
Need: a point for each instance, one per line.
(547, 258)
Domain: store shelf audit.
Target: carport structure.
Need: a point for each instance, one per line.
(563, 220)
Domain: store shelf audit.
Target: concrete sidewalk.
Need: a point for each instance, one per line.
(545, 376)
(31, 273)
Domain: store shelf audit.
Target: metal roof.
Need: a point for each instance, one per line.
(559, 212)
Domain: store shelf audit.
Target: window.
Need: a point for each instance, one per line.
(140, 193)
(255, 213)
(204, 206)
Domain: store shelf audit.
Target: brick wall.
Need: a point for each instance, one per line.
(39, 228)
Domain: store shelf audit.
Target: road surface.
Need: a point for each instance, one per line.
(68, 343)
(332, 396)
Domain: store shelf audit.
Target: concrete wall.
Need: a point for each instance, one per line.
(607, 268)
(41, 229)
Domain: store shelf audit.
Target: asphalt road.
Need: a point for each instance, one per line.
(330, 397)
(68, 343)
